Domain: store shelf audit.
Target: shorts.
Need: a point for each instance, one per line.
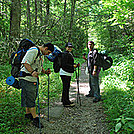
(28, 93)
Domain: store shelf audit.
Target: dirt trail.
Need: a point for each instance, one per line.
(85, 119)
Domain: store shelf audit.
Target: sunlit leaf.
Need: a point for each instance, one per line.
(132, 119)
(117, 127)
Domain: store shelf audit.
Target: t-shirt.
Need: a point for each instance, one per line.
(30, 58)
(62, 72)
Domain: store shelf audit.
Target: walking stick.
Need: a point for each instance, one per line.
(78, 93)
(48, 94)
(38, 102)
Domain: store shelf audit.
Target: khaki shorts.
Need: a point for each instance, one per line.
(28, 93)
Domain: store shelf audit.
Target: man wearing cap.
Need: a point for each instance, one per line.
(66, 72)
(31, 64)
(93, 73)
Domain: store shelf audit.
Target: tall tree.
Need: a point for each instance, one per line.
(28, 16)
(41, 17)
(47, 6)
(72, 17)
(36, 12)
(15, 19)
(65, 5)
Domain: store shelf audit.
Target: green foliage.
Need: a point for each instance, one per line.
(5, 70)
(108, 23)
(117, 83)
(12, 116)
(122, 11)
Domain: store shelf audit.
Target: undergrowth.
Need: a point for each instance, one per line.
(118, 95)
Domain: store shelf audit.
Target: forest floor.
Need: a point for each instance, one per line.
(89, 118)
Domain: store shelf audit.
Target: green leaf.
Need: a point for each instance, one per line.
(117, 127)
(111, 19)
(131, 125)
(132, 119)
(123, 121)
(117, 119)
(115, 23)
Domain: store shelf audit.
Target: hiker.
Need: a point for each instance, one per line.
(84, 56)
(93, 73)
(67, 63)
(28, 83)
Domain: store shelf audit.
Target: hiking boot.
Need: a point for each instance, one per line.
(89, 95)
(36, 122)
(96, 100)
(69, 105)
(29, 116)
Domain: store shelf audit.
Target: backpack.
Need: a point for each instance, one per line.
(103, 60)
(57, 63)
(16, 57)
(55, 57)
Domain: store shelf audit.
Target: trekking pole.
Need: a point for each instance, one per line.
(77, 84)
(38, 102)
(78, 93)
(48, 93)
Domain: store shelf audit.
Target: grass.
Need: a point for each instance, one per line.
(117, 83)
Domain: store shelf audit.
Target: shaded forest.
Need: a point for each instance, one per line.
(109, 23)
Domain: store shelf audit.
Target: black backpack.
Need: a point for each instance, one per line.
(16, 57)
(57, 63)
(104, 61)
(55, 57)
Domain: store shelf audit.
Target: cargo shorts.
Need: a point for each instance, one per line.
(28, 93)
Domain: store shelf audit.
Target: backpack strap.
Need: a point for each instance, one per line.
(39, 53)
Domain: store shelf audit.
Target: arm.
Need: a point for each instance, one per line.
(95, 53)
(95, 69)
(30, 70)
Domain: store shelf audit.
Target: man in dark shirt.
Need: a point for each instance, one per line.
(93, 73)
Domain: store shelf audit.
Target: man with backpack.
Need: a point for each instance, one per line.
(30, 69)
(93, 73)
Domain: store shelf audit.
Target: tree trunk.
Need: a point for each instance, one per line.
(47, 6)
(15, 19)
(65, 5)
(41, 14)
(28, 16)
(71, 22)
(36, 12)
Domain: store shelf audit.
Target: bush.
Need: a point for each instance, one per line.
(117, 83)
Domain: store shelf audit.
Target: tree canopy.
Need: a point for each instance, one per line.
(108, 23)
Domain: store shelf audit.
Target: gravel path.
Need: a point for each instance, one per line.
(85, 119)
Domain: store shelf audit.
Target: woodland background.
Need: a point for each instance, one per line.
(109, 23)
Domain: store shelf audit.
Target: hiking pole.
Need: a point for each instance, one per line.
(78, 93)
(48, 93)
(77, 84)
(38, 102)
